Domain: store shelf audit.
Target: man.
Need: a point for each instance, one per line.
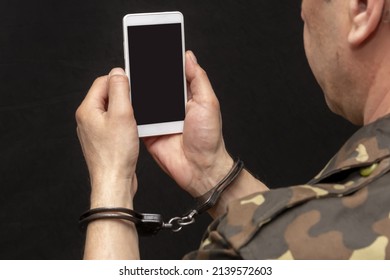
(344, 213)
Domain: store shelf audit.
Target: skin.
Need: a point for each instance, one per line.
(346, 44)
(196, 159)
(105, 120)
(348, 49)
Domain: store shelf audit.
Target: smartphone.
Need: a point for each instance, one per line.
(154, 61)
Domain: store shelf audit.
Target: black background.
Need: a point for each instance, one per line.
(275, 117)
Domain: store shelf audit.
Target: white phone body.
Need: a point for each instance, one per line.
(154, 60)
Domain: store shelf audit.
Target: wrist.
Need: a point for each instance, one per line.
(244, 185)
(208, 177)
(111, 191)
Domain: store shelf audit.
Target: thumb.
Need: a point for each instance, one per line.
(200, 89)
(118, 93)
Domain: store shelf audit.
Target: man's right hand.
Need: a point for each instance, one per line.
(196, 159)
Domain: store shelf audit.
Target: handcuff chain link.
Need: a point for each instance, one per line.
(177, 223)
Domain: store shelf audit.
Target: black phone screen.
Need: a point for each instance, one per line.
(156, 73)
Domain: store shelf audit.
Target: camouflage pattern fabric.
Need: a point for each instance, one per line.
(343, 213)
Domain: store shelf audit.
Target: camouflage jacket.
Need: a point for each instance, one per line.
(343, 213)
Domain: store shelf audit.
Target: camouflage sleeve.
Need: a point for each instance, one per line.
(214, 247)
(344, 220)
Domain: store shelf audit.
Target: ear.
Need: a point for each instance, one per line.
(365, 17)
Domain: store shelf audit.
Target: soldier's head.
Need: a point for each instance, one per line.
(347, 43)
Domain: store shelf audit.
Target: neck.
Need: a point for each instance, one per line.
(377, 106)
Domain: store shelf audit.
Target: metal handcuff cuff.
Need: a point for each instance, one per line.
(149, 224)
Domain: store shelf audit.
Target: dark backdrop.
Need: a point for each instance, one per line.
(274, 114)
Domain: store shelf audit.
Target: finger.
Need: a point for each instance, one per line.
(119, 93)
(199, 85)
(97, 95)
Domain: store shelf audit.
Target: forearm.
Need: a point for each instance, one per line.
(112, 239)
(107, 131)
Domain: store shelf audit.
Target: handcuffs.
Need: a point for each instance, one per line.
(150, 224)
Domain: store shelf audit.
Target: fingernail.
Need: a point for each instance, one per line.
(193, 57)
(117, 71)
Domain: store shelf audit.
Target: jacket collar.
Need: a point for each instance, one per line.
(368, 145)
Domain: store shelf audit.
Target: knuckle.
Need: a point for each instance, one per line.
(202, 73)
(80, 115)
(118, 79)
(100, 81)
(214, 103)
(125, 114)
